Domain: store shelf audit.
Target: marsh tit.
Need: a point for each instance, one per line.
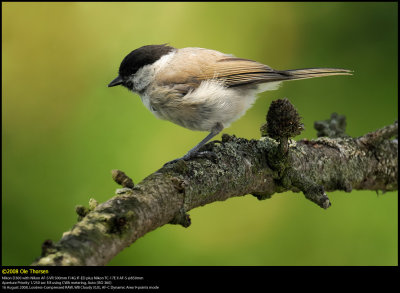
(201, 89)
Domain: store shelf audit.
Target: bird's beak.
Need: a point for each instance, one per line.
(115, 82)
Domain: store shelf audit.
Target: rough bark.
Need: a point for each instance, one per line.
(260, 167)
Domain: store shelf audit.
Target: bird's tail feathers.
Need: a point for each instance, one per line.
(313, 72)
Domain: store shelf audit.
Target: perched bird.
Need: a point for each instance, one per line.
(201, 89)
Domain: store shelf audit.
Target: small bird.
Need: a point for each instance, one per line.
(201, 89)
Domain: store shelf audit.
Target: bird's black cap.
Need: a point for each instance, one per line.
(138, 58)
(142, 56)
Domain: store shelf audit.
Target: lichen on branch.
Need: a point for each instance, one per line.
(272, 164)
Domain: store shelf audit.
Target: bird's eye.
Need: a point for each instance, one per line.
(128, 83)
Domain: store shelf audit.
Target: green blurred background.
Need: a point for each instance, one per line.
(63, 130)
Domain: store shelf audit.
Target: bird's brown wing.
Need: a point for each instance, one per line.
(238, 71)
(191, 66)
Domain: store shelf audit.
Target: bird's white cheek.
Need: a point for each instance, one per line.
(143, 77)
(147, 74)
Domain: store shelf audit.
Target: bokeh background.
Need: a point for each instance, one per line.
(63, 130)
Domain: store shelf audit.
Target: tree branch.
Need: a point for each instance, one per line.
(260, 167)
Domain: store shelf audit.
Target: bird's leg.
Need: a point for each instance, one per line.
(193, 153)
(214, 131)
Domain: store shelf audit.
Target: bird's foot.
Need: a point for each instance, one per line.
(210, 155)
(204, 154)
(124, 191)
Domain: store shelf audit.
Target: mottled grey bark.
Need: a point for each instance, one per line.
(260, 167)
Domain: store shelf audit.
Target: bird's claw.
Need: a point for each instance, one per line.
(204, 154)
